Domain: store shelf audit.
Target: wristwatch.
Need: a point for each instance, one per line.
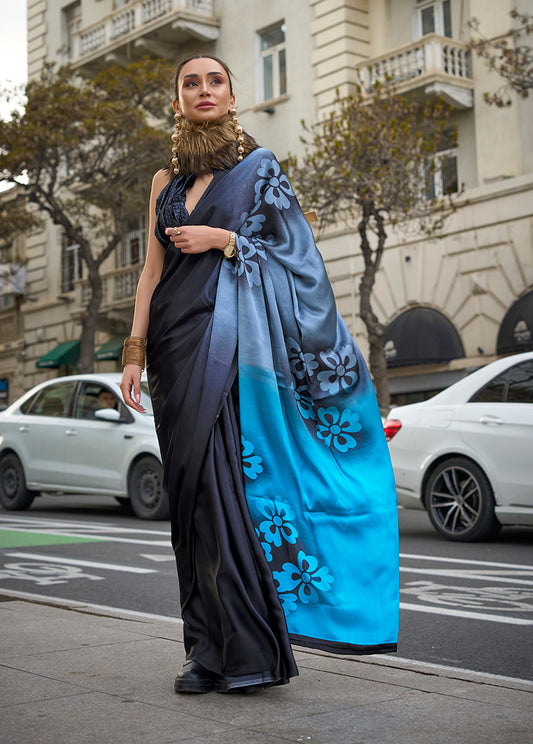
(231, 249)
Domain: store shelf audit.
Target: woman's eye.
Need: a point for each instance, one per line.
(217, 81)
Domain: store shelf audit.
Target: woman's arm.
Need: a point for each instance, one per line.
(150, 276)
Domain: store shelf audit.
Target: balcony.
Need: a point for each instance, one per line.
(118, 289)
(145, 26)
(432, 66)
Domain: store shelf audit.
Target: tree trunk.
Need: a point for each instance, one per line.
(375, 329)
(88, 328)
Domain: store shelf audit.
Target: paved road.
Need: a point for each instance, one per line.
(468, 606)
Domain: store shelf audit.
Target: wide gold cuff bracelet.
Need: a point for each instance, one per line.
(133, 351)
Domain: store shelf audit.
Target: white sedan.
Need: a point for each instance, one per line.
(466, 455)
(75, 435)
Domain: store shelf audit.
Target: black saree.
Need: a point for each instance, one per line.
(234, 624)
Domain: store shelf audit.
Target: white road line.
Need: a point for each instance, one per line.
(466, 614)
(76, 562)
(441, 559)
(468, 575)
(58, 601)
(58, 524)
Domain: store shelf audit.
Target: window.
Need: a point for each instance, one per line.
(133, 245)
(441, 177)
(70, 265)
(71, 19)
(515, 385)
(272, 62)
(53, 400)
(434, 17)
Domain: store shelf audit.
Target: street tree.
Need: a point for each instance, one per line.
(372, 165)
(509, 54)
(82, 151)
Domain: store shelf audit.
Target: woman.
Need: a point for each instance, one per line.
(283, 511)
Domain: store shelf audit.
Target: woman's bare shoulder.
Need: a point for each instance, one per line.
(160, 179)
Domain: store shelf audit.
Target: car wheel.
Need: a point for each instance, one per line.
(460, 503)
(13, 492)
(147, 496)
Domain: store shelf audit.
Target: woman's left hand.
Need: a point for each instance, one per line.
(198, 238)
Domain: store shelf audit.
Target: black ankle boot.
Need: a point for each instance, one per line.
(194, 678)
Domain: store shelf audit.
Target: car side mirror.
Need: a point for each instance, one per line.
(107, 414)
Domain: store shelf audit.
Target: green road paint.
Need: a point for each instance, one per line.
(19, 539)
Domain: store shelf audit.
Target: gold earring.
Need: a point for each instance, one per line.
(175, 139)
(238, 132)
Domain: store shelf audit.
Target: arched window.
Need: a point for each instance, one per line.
(421, 335)
(516, 329)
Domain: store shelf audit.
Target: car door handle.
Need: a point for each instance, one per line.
(71, 432)
(491, 420)
(24, 428)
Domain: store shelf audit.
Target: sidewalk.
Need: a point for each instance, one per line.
(88, 676)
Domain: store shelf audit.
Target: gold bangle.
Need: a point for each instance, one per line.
(231, 249)
(133, 351)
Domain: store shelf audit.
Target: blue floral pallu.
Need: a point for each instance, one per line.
(320, 507)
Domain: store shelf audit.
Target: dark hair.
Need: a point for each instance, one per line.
(183, 62)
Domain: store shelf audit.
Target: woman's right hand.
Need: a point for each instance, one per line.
(131, 381)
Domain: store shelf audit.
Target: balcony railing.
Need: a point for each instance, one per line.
(139, 16)
(431, 59)
(118, 287)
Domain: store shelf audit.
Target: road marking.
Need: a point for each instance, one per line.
(99, 526)
(498, 576)
(440, 559)
(99, 537)
(87, 564)
(466, 614)
(158, 557)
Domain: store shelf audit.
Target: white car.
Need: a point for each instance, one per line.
(75, 435)
(466, 455)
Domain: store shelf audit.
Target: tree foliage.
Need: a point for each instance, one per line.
(372, 164)
(510, 55)
(82, 151)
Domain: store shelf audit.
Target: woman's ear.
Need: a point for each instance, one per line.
(176, 106)
(232, 101)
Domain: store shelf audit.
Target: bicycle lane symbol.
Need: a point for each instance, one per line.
(487, 598)
(44, 574)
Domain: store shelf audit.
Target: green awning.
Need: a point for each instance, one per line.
(112, 349)
(63, 354)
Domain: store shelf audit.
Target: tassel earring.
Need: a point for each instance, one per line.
(175, 139)
(238, 132)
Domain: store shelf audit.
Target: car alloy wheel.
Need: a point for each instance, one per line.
(13, 492)
(459, 501)
(147, 496)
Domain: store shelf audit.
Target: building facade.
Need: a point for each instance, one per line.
(450, 303)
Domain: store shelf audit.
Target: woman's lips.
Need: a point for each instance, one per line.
(205, 105)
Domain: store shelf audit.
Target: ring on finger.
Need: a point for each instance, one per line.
(177, 231)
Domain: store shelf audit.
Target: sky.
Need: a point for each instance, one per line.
(13, 48)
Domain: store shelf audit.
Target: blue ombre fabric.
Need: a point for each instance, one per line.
(317, 474)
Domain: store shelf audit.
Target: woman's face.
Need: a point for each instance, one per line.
(203, 91)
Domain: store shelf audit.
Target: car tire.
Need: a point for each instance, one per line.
(148, 497)
(460, 502)
(14, 496)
